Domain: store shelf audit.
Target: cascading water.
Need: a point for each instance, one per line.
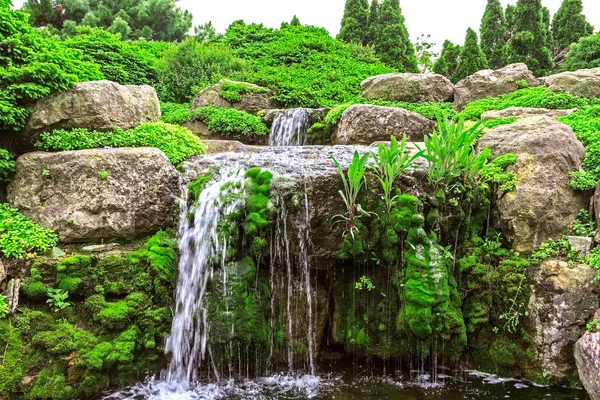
(289, 128)
(199, 245)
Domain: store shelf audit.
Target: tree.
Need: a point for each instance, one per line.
(205, 32)
(529, 39)
(354, 22)
(120, 27)
(295, 21)
(584, 54)
(548, 31)
(493, 34)
(509, 15)
(448, 60)
(424, 52)
(392, 44)
(372, 22)
(472, 58)
(569, 25)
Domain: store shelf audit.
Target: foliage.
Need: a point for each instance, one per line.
(364, 283)
(451, 154)
(472, 59)
(584, 54)
(584, 225)
(231, 122)
(3, 307)
(58, 299)
(594, 261)
(205, 32)
(233, 92)
(593, 326)
(493, 33)
(354, 22)
(372, 22)
(492, 123)
(192, 66)
(7, 165)
(448, 60)
(392, 42)
(353, 181)
(256, 220)
(495, 173)
(176, 142)
(20, 237)
(569, 25)
(424, 52)
(32, 66)
(173, 113)
(516, 310)
(554, 248)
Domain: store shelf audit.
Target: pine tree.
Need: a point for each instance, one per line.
(392, 44)
(509, 15)
(295, 21)
(569, 25)
(372, 22)
(493, 34)
(448, 61)
(549, 35)
(472, 58)
(529, 39)
(354, 22)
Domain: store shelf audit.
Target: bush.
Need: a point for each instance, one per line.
(584, 54)
(233, 92)
(231, 122)
(176, 142)
(7, 165)
(585, 123)
(538, 97)
(20, 237)
(173, 113)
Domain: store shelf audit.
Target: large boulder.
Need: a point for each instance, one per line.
(563, 299)
(490, 83)
(98, 105)
(587, 357)
(414, 88)
(543, 206)
(525, 112)
(366, 124)
(254, 98)
(583, 83)
(96, 195)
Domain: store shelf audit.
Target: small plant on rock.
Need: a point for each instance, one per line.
(3, 307)
(58, 299)
(584, 225)
(364, 283)
(103, 175)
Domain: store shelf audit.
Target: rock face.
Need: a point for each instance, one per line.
(587, 356)
(252, 101)
(414, 88)
(490, 83)
(564, 298)
(543, 206)
(97, 194)
(526, 112)
(583, 83)
(366, 124)
(98, 105)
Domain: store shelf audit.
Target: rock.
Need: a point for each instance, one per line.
(198, 128)
(490, 83)
(582, 244)
(526, 112)
(587, 357)
(314, 115)
(596, 200)
(99, 248)
(64, 191)
(3, 272)
(224, 146)
(413, 88)
(583, 83)
(563, 299)
(252, 101)
(543, 206)
(366, 124)
(12, 295)
(98, 105)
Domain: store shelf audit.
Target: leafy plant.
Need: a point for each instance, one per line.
(3, 307)
(231, 122)
(593, 326)
(20, 237)
(353, 182)
(234, 92)
(584, 225)
(389, 163)
(7, 165)
(554, 248)
(495, 172)
(594, 261)
(102, 175)
(364, 283)
(516, 310)
(58, 299)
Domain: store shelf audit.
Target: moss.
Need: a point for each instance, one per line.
(51, 383)
(72, 270)
(33, 285)
(12, 366)
(63, 339)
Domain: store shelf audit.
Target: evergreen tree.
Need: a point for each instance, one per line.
(392, 44)
(448, 61)
(295, 21)
(549, 35)
(529, 40)
(120, 27)
(372, 22)
(472, 58)
(493, 34)
(354, 22)
(509, 15)
(569, 25)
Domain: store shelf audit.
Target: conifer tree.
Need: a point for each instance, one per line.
(372, 22)
(295, 21)
(529, 39)
(493, 34)
(549, 35)
(509, 15)
(569, 25)
(448, 60)
(392, 44)
(472, 58)
(354, 22)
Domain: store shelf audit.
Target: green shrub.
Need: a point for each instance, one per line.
(231, 122)
(7, 165)
(173, 113)
(583, 54)
(492, 123)
(584, 225)
(176, 142)
(21, 237)
(233, 92)
(585, 123)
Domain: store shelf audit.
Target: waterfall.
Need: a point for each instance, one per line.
(199, 245)
(289, 128)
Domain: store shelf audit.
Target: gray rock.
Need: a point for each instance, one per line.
(98, 105)
(596, 200)
(3, 272)
(564, 298)
(99, 248)
(252, 102)
(587, 357)
(136, 198)
(224, 146)
(414, 88)
(583, 83)
(12, 295)
(490, 83)
(543, 206)
(366, 124)
(526, 112)
(582, 244)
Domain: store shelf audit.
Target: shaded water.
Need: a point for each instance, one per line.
(289, 128)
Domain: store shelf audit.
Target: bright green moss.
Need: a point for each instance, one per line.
(64, 339)
(12, 366)
(51, 384)
(33, 286)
